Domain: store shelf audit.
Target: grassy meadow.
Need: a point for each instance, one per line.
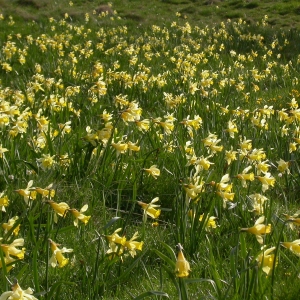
(149, 150)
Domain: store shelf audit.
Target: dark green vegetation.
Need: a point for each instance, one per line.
(282, 14)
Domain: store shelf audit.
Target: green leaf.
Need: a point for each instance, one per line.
(165, 258)
(111, 222)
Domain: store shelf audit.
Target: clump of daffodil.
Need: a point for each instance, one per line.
(182, 267)
(57, 258)
(4, 201)
(259, 229)
(78, 215)
(153, 171)
(17, 293)
(150, 209)
(60, 209)
(29, 193)
(266, 260)
(194, 188)
(10, 224)
(294, 246)
(224, 189)
(119, 245)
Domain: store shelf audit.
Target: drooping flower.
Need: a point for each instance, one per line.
(244, 176)
(150, 209)
(10, 224)
(60, 209)
(266, 260)
(293, 246)
(153, 171)
(57, 258)
(182, 267)
(29, 193)
(79, 215)
(259, 229)
(267, 180)
(18, 294)
(132, 245)
(47, 192)
(257, 202)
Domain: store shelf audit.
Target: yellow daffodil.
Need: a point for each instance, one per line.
(293, 220)
(150, 209)
(244, 176)
(257, 203)
(121, 147)
(210, 221)
(4, 201)
(57, 258)
(283, 166)
(10, 224)
(230, 156)
(79, 215)
(10, 249)
(259, 229)
(60, 209)
(46, 192)
(17, 293)
(182, 267)
(153, 171)
(2, 151)
(232, 128)
(46, 162)
(293, 246)
(132, 245)
(266, 260)
(29, 193)
(115, 238)
(266, 181)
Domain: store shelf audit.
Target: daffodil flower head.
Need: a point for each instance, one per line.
(267, 180)
(29, 193)
(244, 176)
(79, 215)
(294, 246)
(266, 260)
(153, 171)
(17, 293)
(10, 224)
(182, 267)
(132, 245)
(259, 229)
(57, 258)
(150, 209)
(60, 209)
(4, 201)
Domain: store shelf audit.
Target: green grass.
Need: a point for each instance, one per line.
(74, 87)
